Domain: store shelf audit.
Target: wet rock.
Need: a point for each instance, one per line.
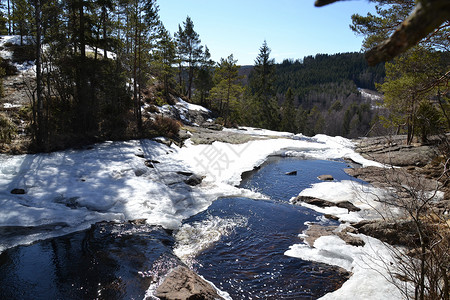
(348, 205)
(18, 191)
(313, 201)
(326, 177)
(182, 283)
(315, 231)
(194, 180)
(331, 217)
(292, 173)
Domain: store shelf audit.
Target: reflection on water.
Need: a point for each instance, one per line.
(109, 261)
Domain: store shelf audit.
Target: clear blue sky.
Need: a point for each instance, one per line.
(292, 28)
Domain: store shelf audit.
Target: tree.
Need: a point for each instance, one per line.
(261, 85)
(288, 113)
(427, 18)
(405, 87)
(204, 80)
(165, 58)
(190, 51)
(227, 90)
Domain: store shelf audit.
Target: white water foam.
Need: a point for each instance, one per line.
(196, 237)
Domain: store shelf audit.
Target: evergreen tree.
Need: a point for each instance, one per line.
(407, 79)
(288, 113)
(164, 59)
(204, 80)
(190, 51)
(227, 90)
(261, 84)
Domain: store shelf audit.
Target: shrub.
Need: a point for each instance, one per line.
(164, 126)
(7, 129)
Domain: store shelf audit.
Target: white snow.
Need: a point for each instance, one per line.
(69, 190)
(369, 278)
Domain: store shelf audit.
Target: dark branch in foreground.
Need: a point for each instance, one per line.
(427, 16)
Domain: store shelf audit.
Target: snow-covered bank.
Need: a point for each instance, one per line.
(369, 278)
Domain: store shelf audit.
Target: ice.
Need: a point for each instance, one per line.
(367, 263)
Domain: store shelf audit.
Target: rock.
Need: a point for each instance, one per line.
(292, 173)
(18, 191)
(182, 283)
(184, 173)
(394, 232)
(326, 177)
(140, 155)
(313, 201)
(212, 126)
(151, 163)
(351, 240)
(194, 180)
(331, 217)
(348, 205)
(315, 231)
(139, 172)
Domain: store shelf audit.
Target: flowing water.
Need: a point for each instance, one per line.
(248, 260)
(237, 244)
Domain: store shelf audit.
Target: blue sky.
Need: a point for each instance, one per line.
(292, 28)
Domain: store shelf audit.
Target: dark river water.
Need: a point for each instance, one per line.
(120, 261)
(250, 263)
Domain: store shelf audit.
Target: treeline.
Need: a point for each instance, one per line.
(318, 94)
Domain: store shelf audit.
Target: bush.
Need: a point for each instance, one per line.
(7, 130)
(164, 126)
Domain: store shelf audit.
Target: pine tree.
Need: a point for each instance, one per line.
(227, 90)
(261, 85)
(204, 79)
(165, 59)
(288, 113)
(190, 51)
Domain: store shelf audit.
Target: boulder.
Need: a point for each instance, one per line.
(348, 205)
(350, 239)
(394, 232)
(183, 284)
(313, 201)
(326, 177)
(194, 180)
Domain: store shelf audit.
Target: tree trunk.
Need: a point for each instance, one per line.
(39, 104)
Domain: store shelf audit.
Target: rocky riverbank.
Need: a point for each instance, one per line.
(409, 169)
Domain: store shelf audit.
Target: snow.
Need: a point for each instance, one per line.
(369, 278)
(190, 106)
